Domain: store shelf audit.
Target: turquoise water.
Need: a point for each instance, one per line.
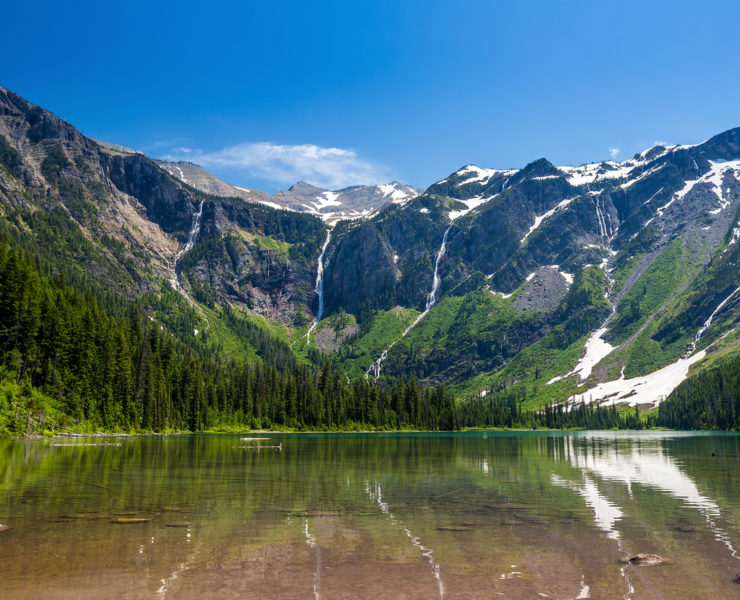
(472, 515)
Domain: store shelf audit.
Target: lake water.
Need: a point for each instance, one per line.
(472, 515)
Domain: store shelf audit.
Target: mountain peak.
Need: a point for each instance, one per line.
(303, 187)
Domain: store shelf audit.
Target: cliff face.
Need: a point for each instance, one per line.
(130, 220)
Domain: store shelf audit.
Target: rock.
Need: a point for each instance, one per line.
(737, 578)
(4, 527)
(646, 560)
(126, 520)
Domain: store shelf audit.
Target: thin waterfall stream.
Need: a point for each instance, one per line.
(431, 301)
(193, 234)
(319, 287)
(708, 323)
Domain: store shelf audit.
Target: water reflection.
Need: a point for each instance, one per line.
(648, 466)
(513, 515)
(311, 541)
(375, 493)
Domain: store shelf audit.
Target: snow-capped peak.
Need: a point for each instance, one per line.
(396, 192)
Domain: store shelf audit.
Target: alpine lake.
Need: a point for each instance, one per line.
(517, 515)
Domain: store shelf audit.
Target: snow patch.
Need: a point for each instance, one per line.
(424, 210)
(735, 236)
(713, 177)
(567, 276)
(394, 192)
(275, 205)
(646, 389)
(593, 172)
(475, 174)
(471, 204)
(642, 176)
(326, 199)
(547, 215)
(595, 350)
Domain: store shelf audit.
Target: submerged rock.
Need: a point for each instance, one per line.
(125, 520)
(454, 528)
(646, 560)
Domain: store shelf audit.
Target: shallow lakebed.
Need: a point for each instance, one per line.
(471, 515)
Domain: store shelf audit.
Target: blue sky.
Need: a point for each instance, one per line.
(336, 93)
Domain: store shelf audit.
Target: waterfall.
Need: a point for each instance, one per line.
(707, 323)
(431, 301)
(192, 234)
(436, 281)
(600, 218)
(319, 287)
(192, 239)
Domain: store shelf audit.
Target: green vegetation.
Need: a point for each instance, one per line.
(655, 286)
(356, 355)
(124, 373)
(708, 400)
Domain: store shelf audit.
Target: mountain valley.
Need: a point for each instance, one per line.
(608, 283)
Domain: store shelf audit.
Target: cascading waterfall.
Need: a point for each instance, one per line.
(431, 301)
(192, 239)
(600, 217)
(319, 288)
(708, 323)
(436, 281)
(192, 235)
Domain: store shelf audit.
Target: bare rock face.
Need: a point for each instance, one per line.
(544, 292)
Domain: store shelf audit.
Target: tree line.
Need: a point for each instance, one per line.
(504, 409)
(708, 400)
(119, 370)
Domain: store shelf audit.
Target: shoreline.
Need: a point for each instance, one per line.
(108, 434)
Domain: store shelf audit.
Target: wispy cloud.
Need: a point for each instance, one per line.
(614, 152)
(331, 168)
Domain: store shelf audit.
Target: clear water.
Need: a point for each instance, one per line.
(474, 515)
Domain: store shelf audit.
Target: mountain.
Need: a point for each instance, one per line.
(117, 217)
(608, 282)
(331, 206)
(602, 282)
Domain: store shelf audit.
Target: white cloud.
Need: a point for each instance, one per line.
(331, 168)
(614, 152)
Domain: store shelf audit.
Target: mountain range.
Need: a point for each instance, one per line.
(608, 283)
